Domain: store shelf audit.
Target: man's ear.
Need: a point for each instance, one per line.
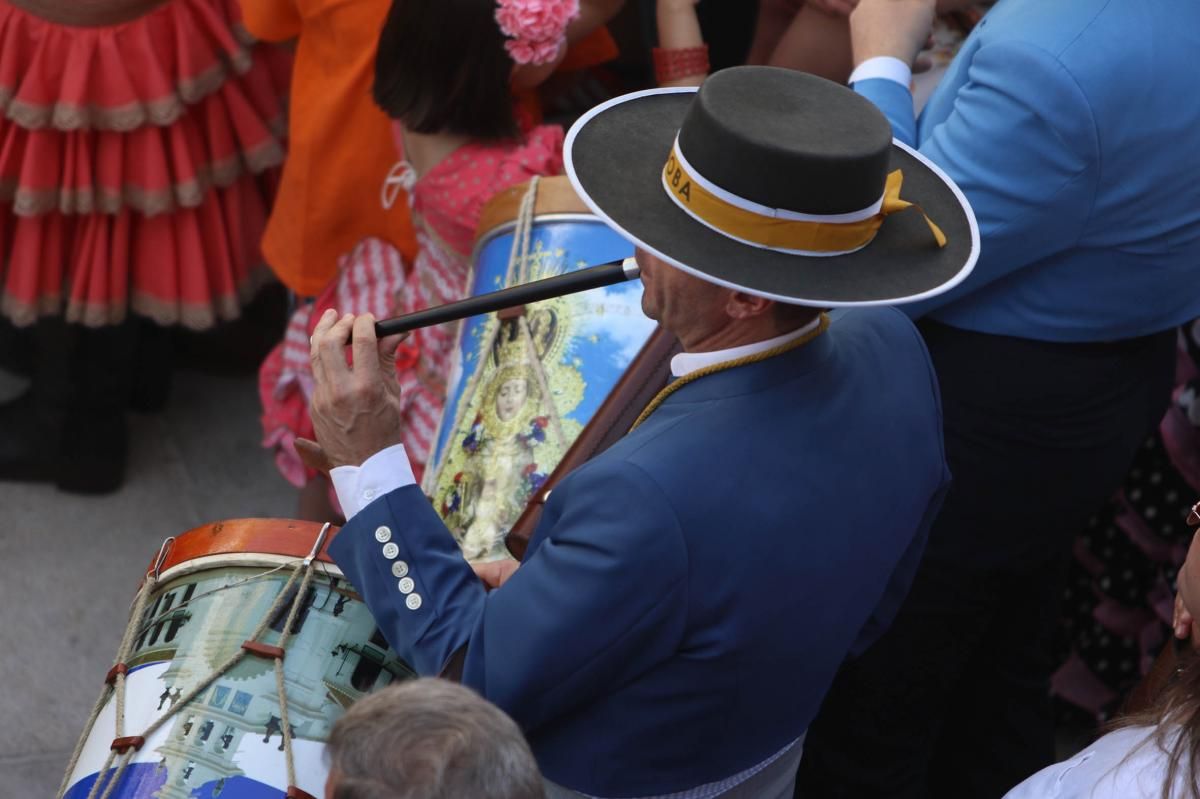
(741, 305)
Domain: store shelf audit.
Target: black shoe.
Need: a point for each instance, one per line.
(16, 349)
(94, 452)
(69, 427)
(30, 436)
(80, 453)
(150, 376)
(95, 442)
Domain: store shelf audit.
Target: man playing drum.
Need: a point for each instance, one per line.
(690, 592)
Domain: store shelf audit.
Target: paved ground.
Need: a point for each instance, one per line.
(69, 565)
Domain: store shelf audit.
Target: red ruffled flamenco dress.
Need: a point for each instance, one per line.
(139, 146)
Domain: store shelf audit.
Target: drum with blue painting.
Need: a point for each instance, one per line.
(193, 730)
(526, 382)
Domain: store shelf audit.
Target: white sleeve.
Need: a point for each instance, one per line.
(885, 67)
(382, 473)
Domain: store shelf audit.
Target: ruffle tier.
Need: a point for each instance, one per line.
(137, 165)
(193, 267)
(121, 77)
(152, 170)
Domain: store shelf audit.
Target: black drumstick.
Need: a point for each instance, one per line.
(593, 277)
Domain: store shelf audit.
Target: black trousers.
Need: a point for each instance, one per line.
(954, 701)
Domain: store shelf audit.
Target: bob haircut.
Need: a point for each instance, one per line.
(441, 67)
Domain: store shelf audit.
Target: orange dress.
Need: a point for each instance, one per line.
(340, 147)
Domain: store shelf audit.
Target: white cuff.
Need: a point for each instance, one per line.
(886, 67)
(382, 473)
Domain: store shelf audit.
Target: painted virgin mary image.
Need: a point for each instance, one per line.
(513, 440)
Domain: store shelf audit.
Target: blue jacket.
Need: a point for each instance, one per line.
(690, 592)
(1071, 126)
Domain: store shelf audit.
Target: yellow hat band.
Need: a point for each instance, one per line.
(779, 230)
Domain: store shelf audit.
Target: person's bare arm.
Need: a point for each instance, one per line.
(896, 28)
(817, 41)
(679, 29)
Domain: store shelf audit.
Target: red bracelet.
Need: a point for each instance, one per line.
(680, 62)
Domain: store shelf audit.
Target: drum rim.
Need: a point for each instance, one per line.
(245, 537)
(508, 227)
(242, 560)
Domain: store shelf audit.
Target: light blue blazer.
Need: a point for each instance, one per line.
(1073, 127)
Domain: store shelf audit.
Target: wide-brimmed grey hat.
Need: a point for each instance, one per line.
(778, 183)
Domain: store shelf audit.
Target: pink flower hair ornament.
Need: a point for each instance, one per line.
(536, 29)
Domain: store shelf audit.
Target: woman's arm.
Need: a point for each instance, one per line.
(817, 41)
(679, 30)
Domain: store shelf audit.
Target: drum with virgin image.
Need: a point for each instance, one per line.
(527, 381)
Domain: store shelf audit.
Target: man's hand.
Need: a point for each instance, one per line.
(355, 411)
(896, 28)
(494, 573)
(312, 456)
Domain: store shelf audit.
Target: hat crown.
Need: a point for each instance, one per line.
(787, 140)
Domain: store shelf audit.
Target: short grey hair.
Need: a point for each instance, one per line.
(430, 739)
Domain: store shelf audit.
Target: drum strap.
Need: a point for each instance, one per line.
(518, 256)
(117, 684)
(125, 747)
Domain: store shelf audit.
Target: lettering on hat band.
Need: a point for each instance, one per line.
(778, 229)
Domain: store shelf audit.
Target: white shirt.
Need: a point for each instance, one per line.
(389, 469)
(382, 473)
(685, 363)
(1125, 764)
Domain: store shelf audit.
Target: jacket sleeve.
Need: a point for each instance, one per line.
(1021, 142)
(271, 20)
(600, 600)
(896, 103)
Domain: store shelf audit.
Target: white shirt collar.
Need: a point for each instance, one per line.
(685, 363)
